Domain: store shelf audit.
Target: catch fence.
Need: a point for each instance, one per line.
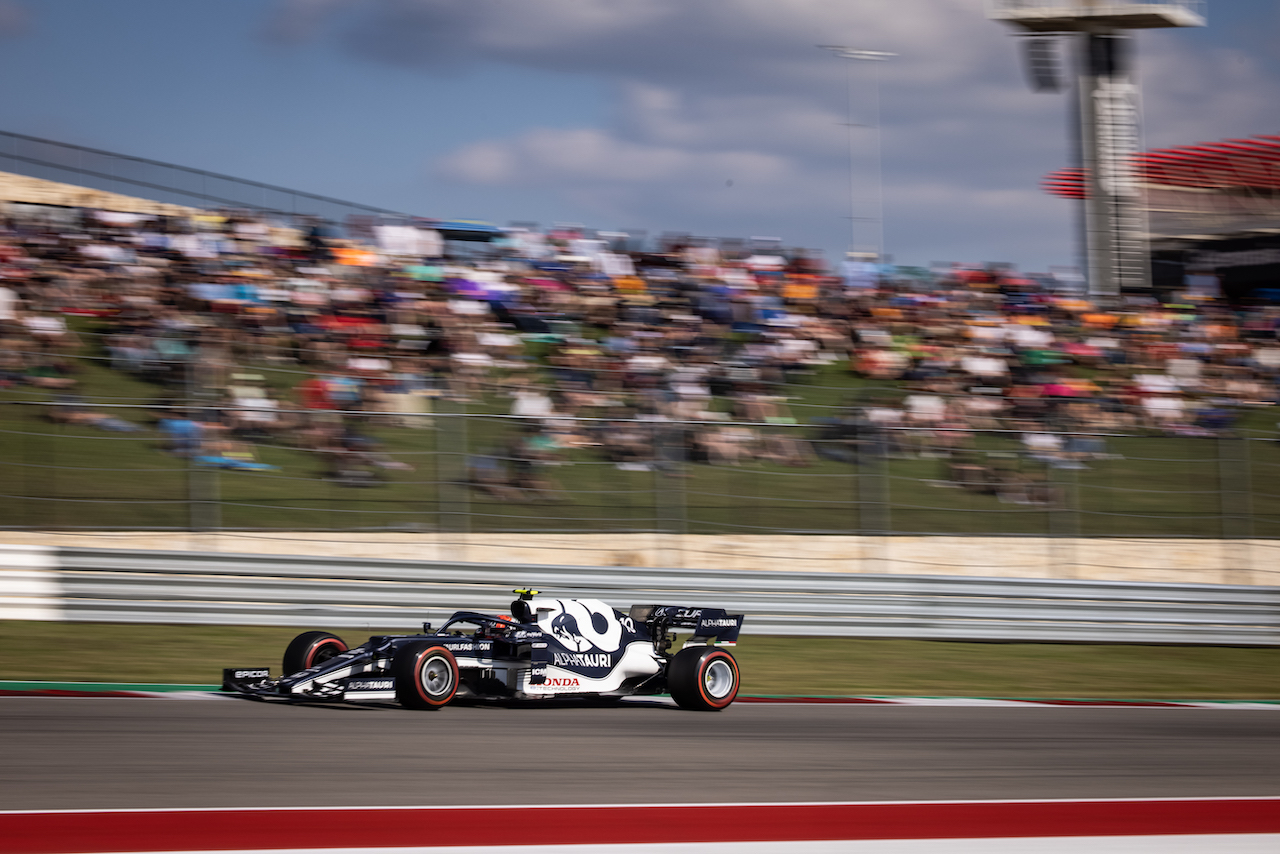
(432, 465)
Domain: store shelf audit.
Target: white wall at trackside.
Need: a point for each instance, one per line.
(29, 587)
(1196, 561)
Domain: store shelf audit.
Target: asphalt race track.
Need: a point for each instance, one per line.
(122, 753)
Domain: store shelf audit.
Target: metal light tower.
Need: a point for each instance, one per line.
(859, 55)
(1107, 115)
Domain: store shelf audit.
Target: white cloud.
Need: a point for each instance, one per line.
(714, 122)
(487, 162)
(589, 159)
(727, 118)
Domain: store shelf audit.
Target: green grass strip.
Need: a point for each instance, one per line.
(102, 687)
(120, 653)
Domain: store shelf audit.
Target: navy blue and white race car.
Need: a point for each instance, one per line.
(546, 648)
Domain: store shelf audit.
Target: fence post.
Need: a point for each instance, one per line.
(670, 509)
(452, 476)
(30, 512)
(55, 505)
(1064, 516)
(873, 497)
(204, 496)
(1234, 494)
(204, 507)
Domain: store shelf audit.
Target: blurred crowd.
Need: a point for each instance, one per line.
(644, 359)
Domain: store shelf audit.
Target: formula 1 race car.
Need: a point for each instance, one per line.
(546, 648)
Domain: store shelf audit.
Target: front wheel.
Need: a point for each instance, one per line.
(703, 678)
(426, 675)
(311, 648)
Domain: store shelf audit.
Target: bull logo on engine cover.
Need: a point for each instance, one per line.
(580, 625)
(565, 628)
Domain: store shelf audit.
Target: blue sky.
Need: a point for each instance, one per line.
(715, 118)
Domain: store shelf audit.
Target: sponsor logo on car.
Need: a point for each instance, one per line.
(583, 659)
(251, 674)
(561, 682)
(371, 684)
(714, 624)
(482, 646)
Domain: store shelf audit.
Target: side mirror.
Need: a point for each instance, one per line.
(426, 628)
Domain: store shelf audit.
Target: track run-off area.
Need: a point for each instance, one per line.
(202, 772)
(103, 754)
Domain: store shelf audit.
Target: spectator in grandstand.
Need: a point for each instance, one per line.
(72, 409)
(50, 373)
(183, 434)
(487, 472)
(529, 452)
(689, 340)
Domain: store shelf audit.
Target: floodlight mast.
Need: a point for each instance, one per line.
(1106, 108)
(859, 54)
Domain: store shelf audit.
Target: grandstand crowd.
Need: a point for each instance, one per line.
(593, 346)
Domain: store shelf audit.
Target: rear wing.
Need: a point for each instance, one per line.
(707, 623)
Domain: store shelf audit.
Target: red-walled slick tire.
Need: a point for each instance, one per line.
(309, 649)
(426, 675)
(703, 678)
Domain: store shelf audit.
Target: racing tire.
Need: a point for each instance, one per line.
(703, 679)
(309, 649)
(426, 675)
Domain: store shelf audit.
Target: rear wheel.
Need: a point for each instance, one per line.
(703, 679)
(426, 675)
(309, 649)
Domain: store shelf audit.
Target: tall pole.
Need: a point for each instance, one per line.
(1115, 222)
(1097, 243)
(879, 184)
(1106, 110)
(853, 172)
(877, 191)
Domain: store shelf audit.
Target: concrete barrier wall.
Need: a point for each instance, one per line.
(1200, 561)
(211, 588)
